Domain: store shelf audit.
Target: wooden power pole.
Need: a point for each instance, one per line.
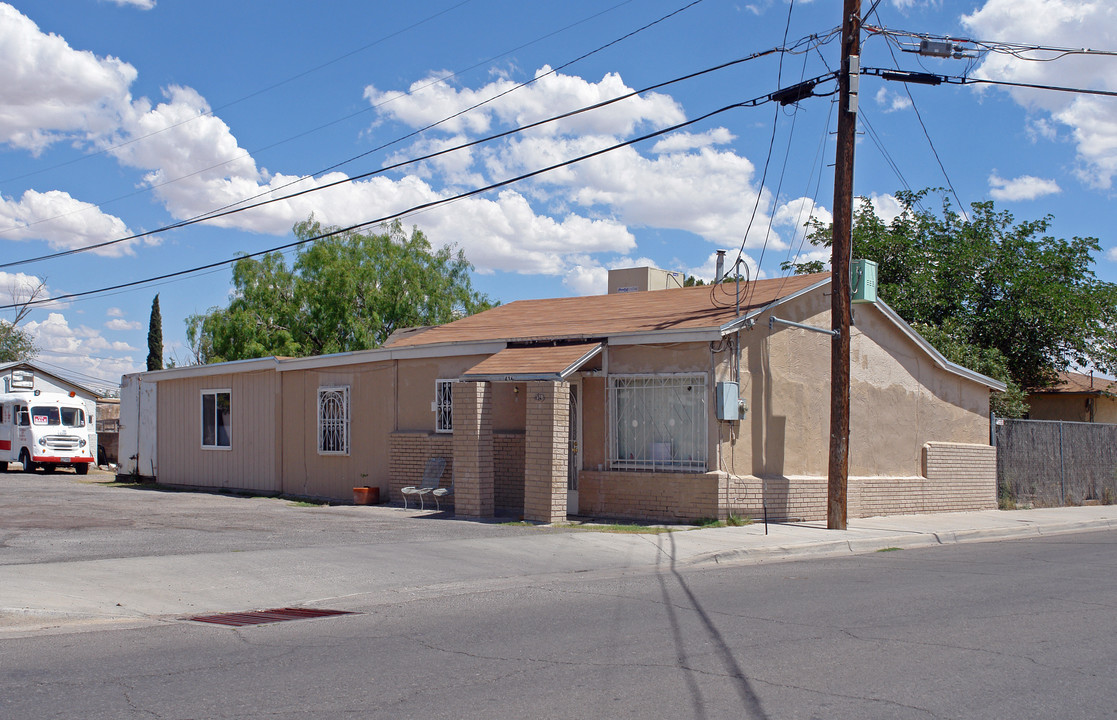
(840, 313)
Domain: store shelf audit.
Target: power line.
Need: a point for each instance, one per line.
(934, 78)
(396, 141)
(926, 134)
(1015, 49)
(230, 210)
(755, 102)
(239, 100)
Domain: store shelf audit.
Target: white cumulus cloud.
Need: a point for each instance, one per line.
(64, 222)
(121, 324)
(1025, 187)
(52, 92)
(81, 349)
(1059, 23)
(141, 4)
(892, 101)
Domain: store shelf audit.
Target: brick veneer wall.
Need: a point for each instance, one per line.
(956, 477)
(408, 454)
(959, 477)
(546, 451)
(650, 495)
(508, 474)
(789, 498)
(473, 449)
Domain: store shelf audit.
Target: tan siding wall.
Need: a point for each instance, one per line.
(250, 464)
(372, 392)
(416, 388)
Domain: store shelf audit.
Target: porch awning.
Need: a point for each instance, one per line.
(518, 364)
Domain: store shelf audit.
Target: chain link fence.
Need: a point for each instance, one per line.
(1047, 463)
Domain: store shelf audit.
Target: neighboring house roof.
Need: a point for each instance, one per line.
(1080, 383)
(40, 370)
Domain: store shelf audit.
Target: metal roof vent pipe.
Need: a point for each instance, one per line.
(720, 267)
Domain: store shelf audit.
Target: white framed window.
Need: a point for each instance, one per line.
(333, 420)
(658, 422)
(444, 406)
(217, 416)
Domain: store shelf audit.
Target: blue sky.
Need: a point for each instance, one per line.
(124, 116)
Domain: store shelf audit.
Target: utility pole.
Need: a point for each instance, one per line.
(840, 312)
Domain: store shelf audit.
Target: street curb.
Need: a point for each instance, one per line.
(861, 546)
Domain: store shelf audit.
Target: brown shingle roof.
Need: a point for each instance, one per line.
(597, 316)
(537, 361)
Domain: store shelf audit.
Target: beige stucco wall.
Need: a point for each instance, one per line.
(1071, 407)
(250, 463)
(899, 398)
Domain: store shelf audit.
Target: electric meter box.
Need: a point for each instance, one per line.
(864, 281)
(728, 404)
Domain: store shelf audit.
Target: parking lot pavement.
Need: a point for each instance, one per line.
(82, 552)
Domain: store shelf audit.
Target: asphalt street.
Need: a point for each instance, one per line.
(902, 617)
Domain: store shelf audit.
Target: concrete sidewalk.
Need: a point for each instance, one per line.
(133, 591)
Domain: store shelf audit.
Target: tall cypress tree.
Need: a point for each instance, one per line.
(155, 337)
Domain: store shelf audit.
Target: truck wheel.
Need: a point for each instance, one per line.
(25, 458)
(82, 468)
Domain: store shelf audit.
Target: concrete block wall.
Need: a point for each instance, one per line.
(408, 454)
(667, 497)
(508, 474)
(547, 450)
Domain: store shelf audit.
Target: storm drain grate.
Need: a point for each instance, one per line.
(259, 617)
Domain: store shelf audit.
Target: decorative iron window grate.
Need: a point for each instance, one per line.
(658, 422)
(444, 406)
(333, 420)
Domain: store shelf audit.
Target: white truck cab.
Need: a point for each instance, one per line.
(46, 430)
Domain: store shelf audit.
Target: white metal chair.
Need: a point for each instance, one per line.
(442, 492)
(433, 473)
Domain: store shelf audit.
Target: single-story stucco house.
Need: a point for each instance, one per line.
(1076, 397)
(670, 404)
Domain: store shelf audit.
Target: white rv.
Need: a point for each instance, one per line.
(46, 430)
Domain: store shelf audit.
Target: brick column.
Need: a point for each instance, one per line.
(546, 452)
(473, 449)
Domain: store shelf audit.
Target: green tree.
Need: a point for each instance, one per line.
(981, 282)
(15, 343)
(346, 292)
(155, 337)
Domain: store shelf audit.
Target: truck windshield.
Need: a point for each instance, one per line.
(45, 415)
(73, 417)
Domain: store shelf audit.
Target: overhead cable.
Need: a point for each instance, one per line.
(755, 102)
(238, 208)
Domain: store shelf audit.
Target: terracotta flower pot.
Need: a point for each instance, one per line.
(366, 495)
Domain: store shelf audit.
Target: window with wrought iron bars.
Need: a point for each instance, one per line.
(657, 422)
(333, 420)
(444, 406)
